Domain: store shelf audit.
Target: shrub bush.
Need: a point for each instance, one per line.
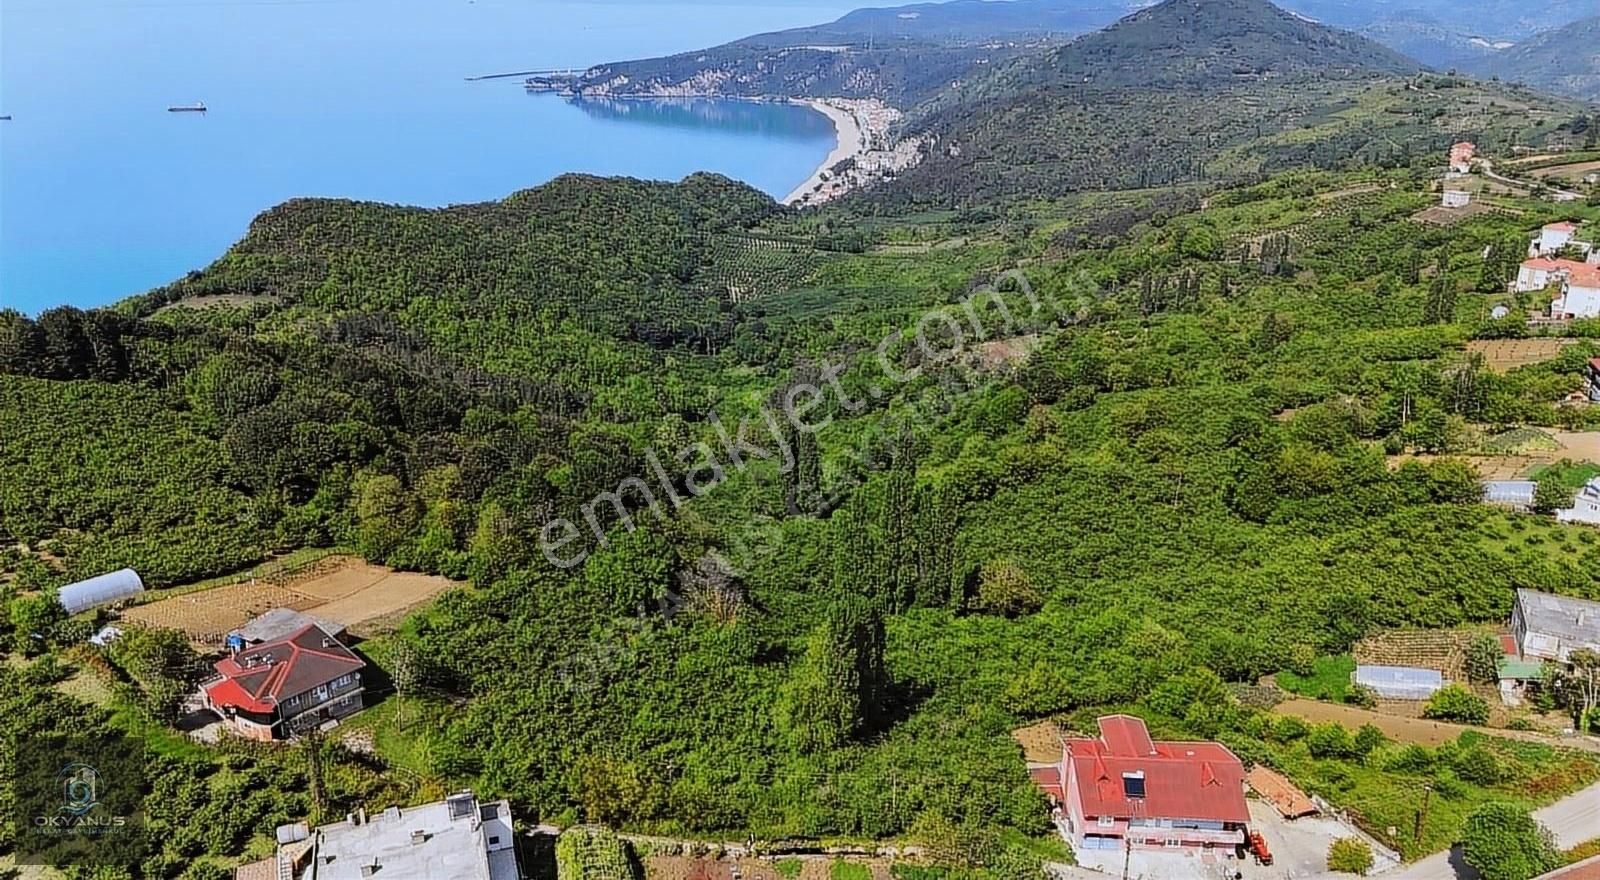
(1350, 855)
(1456, 703)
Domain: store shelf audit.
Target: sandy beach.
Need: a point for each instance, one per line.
(849, 142)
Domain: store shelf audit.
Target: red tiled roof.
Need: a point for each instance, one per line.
(1182, 780)
(1508, 645)
(1563, 226)
(1594, 363)
(256, 679)
(1588, 869)
(1587, 276)
(1292, 803)
(1550, 265)
(1048, 779)
(1126, 736)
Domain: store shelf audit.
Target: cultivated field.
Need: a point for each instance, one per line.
(1543, 448)
(342, 589)
(1567, 172)
(1504, 355)
(1439, 215)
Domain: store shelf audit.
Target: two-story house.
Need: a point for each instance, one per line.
(1123, 789)
(287, 685)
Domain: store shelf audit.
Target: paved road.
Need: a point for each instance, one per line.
(1574, 819)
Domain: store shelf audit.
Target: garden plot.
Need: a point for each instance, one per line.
(344, 590)
(1504, 355)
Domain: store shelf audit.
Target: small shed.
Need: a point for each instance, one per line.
(281, 623)
(101, 590)
(1276, 789)
(1400, 682)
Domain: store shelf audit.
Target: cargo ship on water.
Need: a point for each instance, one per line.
(196, 107)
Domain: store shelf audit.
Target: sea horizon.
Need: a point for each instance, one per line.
(105, 195)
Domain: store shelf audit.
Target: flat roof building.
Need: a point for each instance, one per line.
(457, 838)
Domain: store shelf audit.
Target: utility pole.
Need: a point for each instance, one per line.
(1422, 814)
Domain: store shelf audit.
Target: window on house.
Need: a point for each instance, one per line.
(1108, 821)
(321, 692)
(1172, 841)
(1133, 785)
(493, 841)
(343, 680)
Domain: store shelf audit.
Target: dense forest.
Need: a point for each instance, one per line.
(1209, 92)
(1177, 482)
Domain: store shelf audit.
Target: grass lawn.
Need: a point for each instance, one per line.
(1570, 474)
(1329, 679)
(1391, 787)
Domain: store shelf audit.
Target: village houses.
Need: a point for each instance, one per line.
(1585, 508)
(1550, 262)
(1461, 156)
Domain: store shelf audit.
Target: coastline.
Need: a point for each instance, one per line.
(849, 142)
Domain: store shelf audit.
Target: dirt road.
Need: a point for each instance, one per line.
(1420, 730)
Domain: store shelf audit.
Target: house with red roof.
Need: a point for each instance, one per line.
(278, 688)
(1124, 789)
(1461, 155)
(1580, 294)
(1540, 272)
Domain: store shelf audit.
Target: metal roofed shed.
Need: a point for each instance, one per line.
(281, 623)
(1512, 669)
(101, 590)
(1399, 682)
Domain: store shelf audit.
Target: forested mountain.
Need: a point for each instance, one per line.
(1443, 33)
(959, 22)
(1191, 90)
(1440, 44)
(1095, 410)
(901, 55)
(1195, 44)
(1565, 60)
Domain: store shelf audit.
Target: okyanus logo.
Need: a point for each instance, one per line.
(80, 795)
(80, 786)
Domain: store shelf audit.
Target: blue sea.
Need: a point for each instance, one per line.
(104, 194)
